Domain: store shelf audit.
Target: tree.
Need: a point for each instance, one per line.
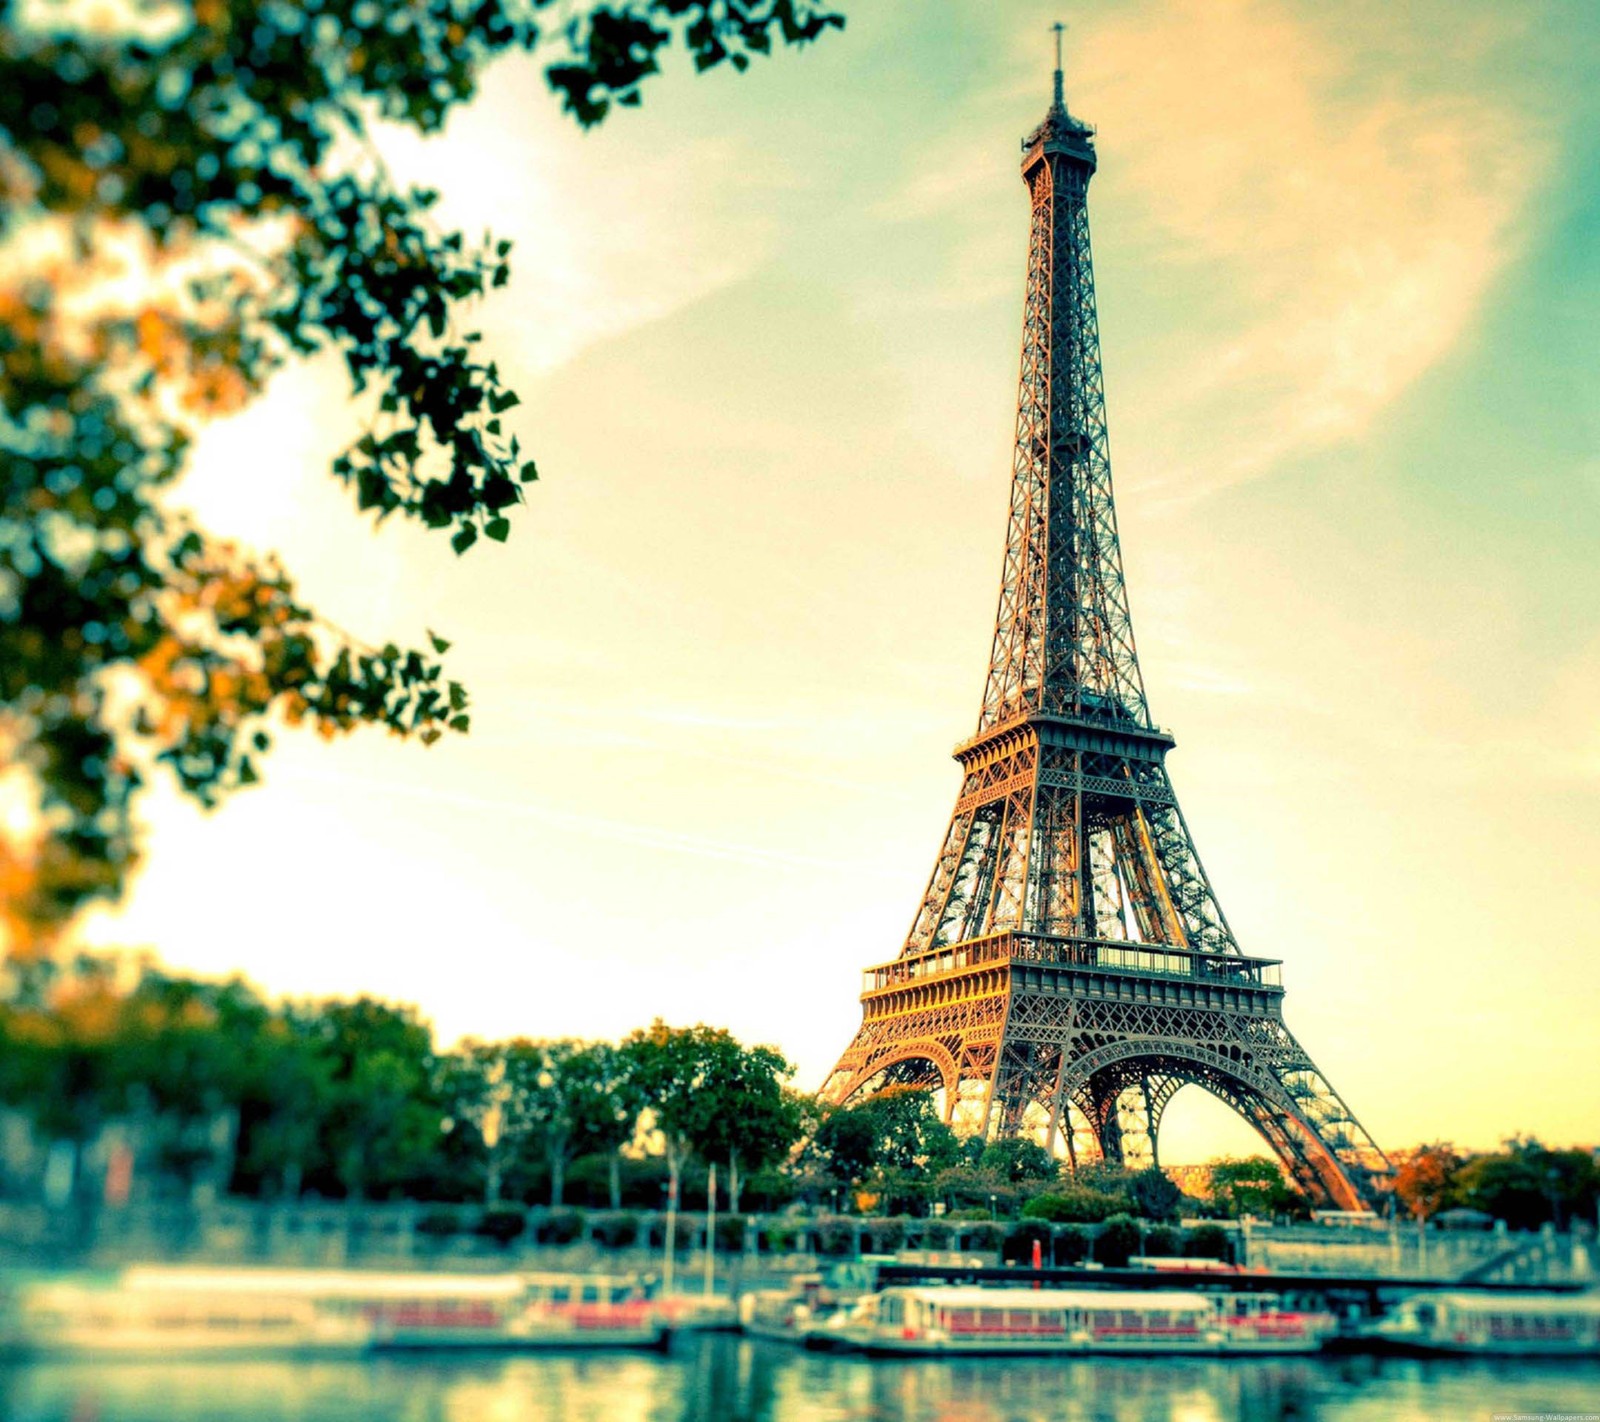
(1527, 1184)
(189, 200)
(609, 1104)
(846, 1142)
(711, 1097)
(755, 1119)
(563, 1099)
(1018, 1160)
(381, 1122)
(1253, 1185)
(1153, 1195)
(1425, 1178)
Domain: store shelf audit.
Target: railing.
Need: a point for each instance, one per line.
(1144, 958)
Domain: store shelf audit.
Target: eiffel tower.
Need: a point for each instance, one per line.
(1069, 968)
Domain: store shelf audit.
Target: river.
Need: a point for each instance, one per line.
(722, 1378)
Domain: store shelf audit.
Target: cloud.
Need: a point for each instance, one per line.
(1324, 244)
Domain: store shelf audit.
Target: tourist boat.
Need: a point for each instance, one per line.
(1553, 1325)
(443, 1311)
(588, 1311)
(1259, 1323)
(936, 1319)
(784, 1315)
(108, 1320)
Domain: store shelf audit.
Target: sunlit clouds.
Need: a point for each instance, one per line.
(1349, 229)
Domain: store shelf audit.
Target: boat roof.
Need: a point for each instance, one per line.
(326, 1283)
(1517, 1303)
(976, 1296)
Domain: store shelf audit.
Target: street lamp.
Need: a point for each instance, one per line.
(992, 1214)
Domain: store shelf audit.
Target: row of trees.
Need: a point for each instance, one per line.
(1526, 1184)
(351, 1099)
(205, 1083)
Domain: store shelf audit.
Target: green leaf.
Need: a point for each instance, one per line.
(498, 529)
(458, 696)
(501, 400)
(530, 472)
(463, 538)
(440, 645)
(460, 723)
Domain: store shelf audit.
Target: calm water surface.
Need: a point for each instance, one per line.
(722, 1378)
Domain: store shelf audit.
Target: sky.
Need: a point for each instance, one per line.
(766, 333)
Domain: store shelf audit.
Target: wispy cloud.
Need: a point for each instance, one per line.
(1326, 244)
(603, 243)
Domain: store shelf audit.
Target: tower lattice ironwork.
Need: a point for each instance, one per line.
(1069, 967)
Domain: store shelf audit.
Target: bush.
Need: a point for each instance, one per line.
(1048, 1207)
(1117, 1242)
(836, 1236)
(617, 1231)
(730, 1233)
(780, 1238)
(986, 1235)
(560, 1227)
(502, 1224)
(1072, 1245)
(439, 1224)
(1162, 1242)
(1076, 1204)
(1207, 1242)
(935, 1234)
(1019, 1242)
(886, 1236)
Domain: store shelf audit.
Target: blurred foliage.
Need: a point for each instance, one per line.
(1425, 1178)
(190, 198)
(352, 1099)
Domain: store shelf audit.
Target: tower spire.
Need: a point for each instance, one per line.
(1060, 99)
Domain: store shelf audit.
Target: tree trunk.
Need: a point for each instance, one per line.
(616, 1179)
(734, 1182)
(491, 1187)
(558, 1177)
(672, 1222)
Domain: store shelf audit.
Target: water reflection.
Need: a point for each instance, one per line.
(725, 1379)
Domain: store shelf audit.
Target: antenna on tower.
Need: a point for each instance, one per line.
(1059, 28)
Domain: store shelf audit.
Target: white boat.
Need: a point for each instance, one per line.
(935, 1319)
(400, 1310)
(111, 1321)
(784, 1315)
(1552, 1325)
(429, 1311)
(1259, 1323)
(588, 1311)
